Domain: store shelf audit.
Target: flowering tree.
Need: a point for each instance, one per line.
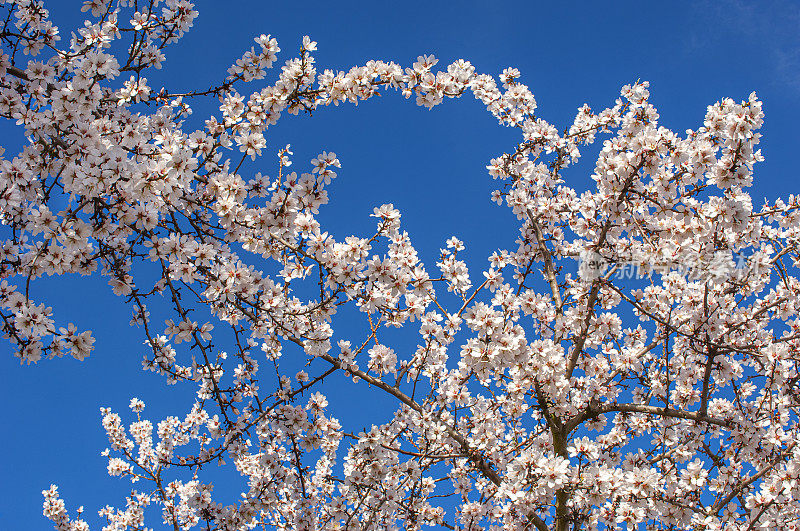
(536, 398)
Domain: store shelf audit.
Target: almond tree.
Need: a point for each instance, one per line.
(536, 398)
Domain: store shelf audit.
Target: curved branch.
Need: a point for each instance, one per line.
(594, 412)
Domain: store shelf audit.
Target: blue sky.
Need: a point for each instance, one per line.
(430, 164)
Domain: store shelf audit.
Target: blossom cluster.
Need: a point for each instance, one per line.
(535, 398)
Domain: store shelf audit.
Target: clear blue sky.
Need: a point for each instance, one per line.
(693, 53)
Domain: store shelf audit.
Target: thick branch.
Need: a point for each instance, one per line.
(712, 353)
(593, 412)
(577, 347)
(17, 72)
(549, 270)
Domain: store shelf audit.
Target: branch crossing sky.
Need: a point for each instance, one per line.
(693, 54)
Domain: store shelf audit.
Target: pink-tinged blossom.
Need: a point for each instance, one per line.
(532, 397)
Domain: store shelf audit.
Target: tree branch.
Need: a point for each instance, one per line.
(594, 412)
(718, 506)
(549, 270)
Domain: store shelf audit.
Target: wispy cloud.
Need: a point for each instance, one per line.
(770, 27)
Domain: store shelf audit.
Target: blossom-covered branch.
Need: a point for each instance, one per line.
(548, 394)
